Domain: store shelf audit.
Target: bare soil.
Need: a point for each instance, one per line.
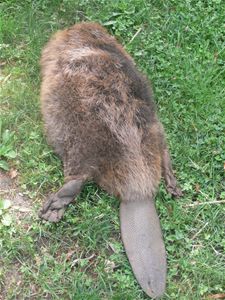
(21, 205)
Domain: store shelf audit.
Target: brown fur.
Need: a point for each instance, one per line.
(98, 112)
(100, 117)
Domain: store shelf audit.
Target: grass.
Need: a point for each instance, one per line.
(180, 45)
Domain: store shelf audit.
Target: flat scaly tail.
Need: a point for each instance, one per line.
(143, 242)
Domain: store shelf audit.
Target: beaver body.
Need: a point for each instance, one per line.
(100, 118)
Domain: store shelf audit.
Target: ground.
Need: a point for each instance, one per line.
(179, 45)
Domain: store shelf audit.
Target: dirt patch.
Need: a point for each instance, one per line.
(21, 205)
(20, 208)
(13, 281)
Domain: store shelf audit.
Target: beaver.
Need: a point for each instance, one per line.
(100, 118)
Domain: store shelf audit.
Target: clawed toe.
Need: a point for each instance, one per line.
(52, 215)
(175, 191)
(52, 209)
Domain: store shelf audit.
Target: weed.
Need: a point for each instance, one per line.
(6, 149)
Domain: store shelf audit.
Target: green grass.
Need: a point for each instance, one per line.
(181, 47)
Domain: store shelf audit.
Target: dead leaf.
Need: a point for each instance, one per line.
(109, 266)
(112, 247)
(170, 209)
(13, 173)
(69, 254)
(19, 283)
(216, 56)
(78, 260)
(38, 260)
(22, 209)
(216, 296)
(197, 187)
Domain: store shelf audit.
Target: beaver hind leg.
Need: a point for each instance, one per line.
(54, 208)
(168, 175)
